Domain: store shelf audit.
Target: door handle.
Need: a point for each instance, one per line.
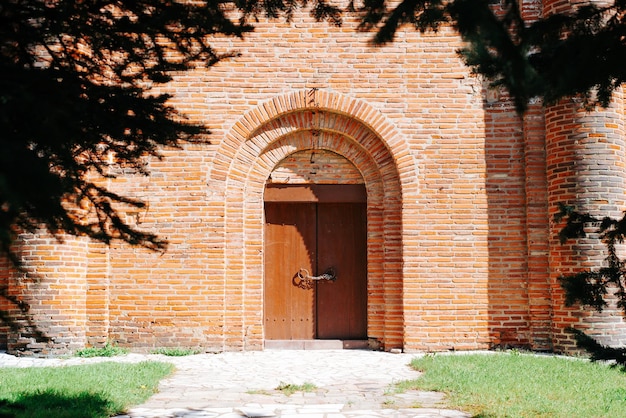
(329, 275)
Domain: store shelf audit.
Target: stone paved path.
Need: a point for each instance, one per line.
(349, 384)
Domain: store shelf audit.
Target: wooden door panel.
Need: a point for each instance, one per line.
(342, 244)
(289, 310)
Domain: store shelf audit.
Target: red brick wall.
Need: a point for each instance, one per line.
(443, 169)
(53, 293)
(5, 305)
(458, 241)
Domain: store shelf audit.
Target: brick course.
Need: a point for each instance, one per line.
(460, 190)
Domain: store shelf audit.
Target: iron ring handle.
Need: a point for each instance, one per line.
(329, 274)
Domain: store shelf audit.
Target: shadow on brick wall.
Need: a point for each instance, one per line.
(516, 187)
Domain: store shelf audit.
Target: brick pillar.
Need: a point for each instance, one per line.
(537, 219)
(537, 229)
(585, 169)
(5, 304)
(97, 297)
(585, 166)
(53, 293)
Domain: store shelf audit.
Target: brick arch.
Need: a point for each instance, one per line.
(243, 165)
(334, 109)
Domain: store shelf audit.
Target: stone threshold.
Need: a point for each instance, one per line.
(316, 344)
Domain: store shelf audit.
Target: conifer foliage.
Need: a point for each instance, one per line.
(591, 287)
(76, 78)
(579, 53)
(75, 98)
(77, 106)
(74, 95)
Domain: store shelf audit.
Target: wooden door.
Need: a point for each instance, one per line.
(315, 237)
(342, 245)
(290, 241)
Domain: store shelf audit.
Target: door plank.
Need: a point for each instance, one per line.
(342, 244)
(289, 310)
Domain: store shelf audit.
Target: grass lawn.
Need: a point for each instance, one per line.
(86, 391)
(523, 385)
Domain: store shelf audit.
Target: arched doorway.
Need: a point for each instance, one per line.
(315, 249)
(303, 126)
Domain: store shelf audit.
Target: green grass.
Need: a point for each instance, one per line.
(286, 388)
(291, 388)
(175, 352)
(109, 350)
(520, 385)
(259, 392)
(86, 391)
